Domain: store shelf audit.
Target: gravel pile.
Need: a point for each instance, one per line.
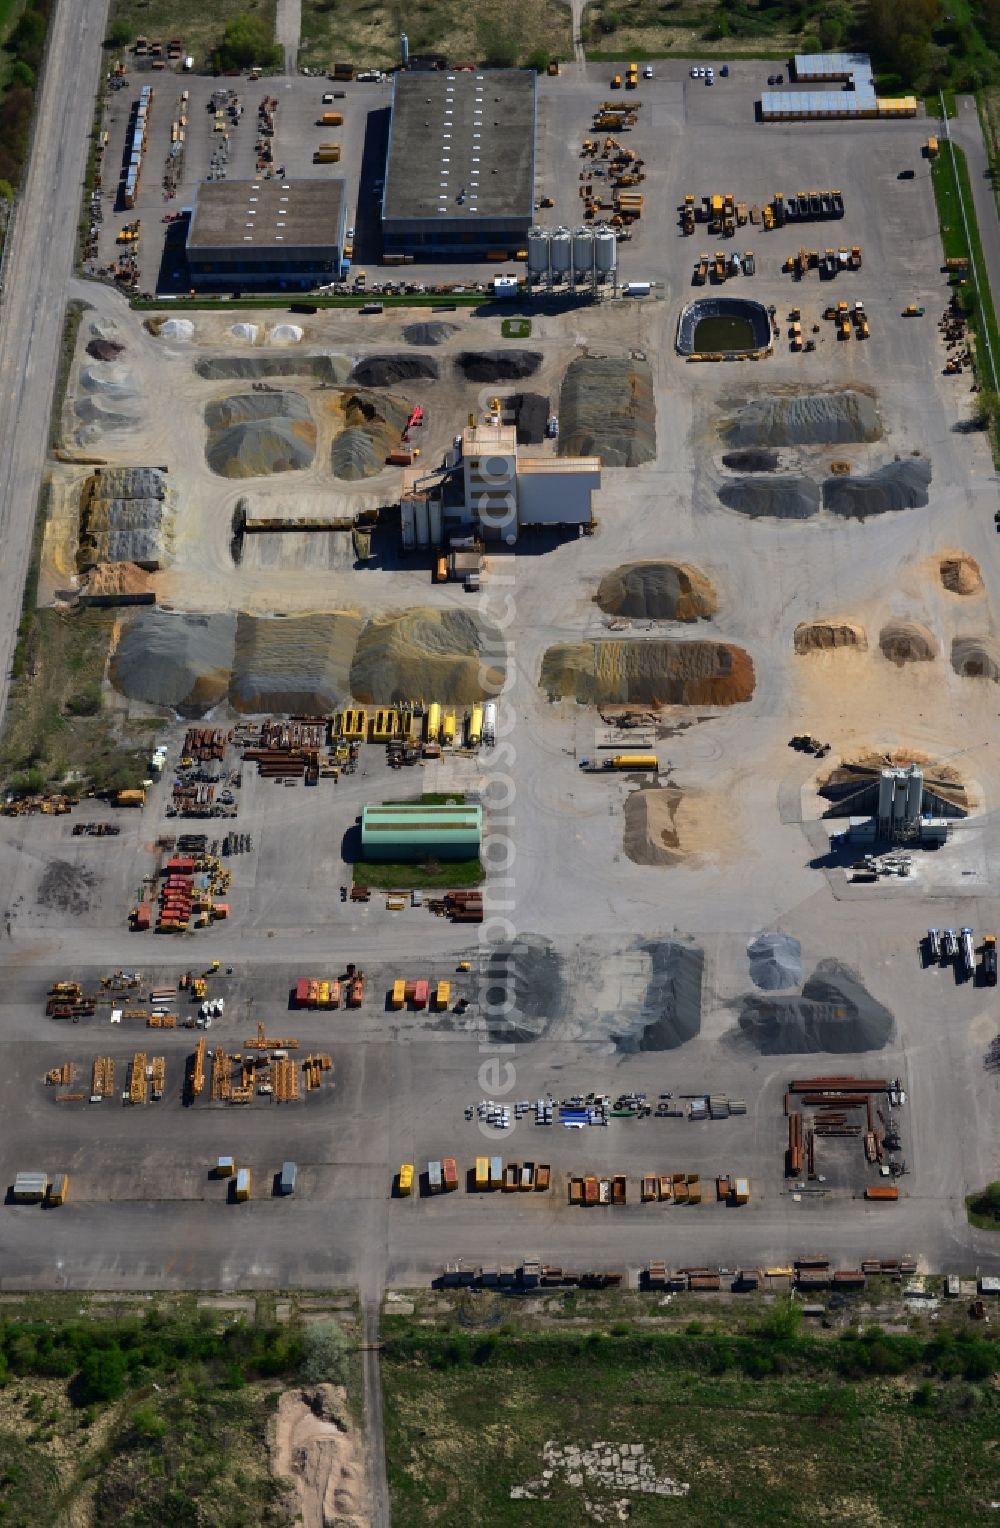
(175, 329)
(375, 422)
(256, 434)
(751, 460)
(521, 992)
(657, 591)
(824, 636)
(808, 419)
(388, 370)
(654, 673)
(607, 409)
(497, 365)
(445, 655)
(433, 331)
(775, 962)
(233, 368)
(298, 664)
(122, 517)
(774, 498)
(248, 332)
(897, 485)
(671, 1007)
(180, 661)
(976, 657)
(104, 350)
(530, 412)
(907, 642)
(285, 334)
(835, 1013)
(111, 379)
(650, 835)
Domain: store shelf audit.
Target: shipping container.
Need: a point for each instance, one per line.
(496, 1172)
(243, 1184)
(331, 119)
(576, 1191)
(510, 1177)
(398, 993)
(58, 1188)
(449, 1168)
(482, 1173)
(30, 1188)
(225, 1167)
(542, 1176)
(435, 1179)
(879, 1193)
(406, 1179)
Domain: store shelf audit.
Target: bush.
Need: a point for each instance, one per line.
(85, 702)
(326, 1352)
(119, 36)
(101, 1378)
(539, 60)
(246, 42)
(29, 782)
(147, 1424)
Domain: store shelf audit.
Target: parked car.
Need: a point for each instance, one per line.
(647, 73)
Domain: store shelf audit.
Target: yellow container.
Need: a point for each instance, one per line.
(442, 995)
(448, 727)
(398, 997)
(482, 1173)
(406, 1178)
(433, 722)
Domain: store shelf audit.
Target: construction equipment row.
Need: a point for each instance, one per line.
(724, 214)
(533, 1273)
(828, 264)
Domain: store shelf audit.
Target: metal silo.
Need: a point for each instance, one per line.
(583, 252)
(561, 249)
(538, 252)
(605, 251)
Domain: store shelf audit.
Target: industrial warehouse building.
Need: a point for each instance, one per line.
(492, 490)
(856, 97)
(266, 235)
(396, 833)
(460, 167)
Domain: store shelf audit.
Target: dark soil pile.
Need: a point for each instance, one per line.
(753, 459)
(774, 498)
(608, 409)
(104, 350)
(520, 990)
(897, 485)
(530, 413)
(387, 370)
(497, 365)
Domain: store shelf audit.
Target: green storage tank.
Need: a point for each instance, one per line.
(403, 833)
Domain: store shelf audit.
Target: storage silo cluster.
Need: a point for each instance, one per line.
(584, 256)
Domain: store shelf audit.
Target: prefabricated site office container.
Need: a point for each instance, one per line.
(289, 1171)
(30, 1188)
(435, 1182)
(243, 1184)
(58, 1188)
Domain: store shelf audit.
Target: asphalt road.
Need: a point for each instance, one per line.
(39, 266)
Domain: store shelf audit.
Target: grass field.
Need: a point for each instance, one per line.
(952, 192)
(641, 29)
(365, 33)
(453, 875)
(753, 1432)
(199, 26)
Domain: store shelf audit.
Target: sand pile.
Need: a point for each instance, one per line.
(657, 591)
(374, 423)
(497, 365)
(608, 410)
(835, 1013)
(173, 329)
(329, 368)
(520, 992)
(753, 459)
(775, 962)
(293, 663)
(823, 636)
(104, 350)
(530, 413)
(112, 583)
(808, 419)
(181, 661)
(285, 334)
(671, 1007)
(651, 836)
(317, 1448)
(776, 498)
(433, 331)
(98, 420)
(254, 434)
(445, 655)
(656, 673)
(976, 657)
(247, 332)
(960, 574)
(387, 370)
(897, 485)
(850, 776)
(907, 642)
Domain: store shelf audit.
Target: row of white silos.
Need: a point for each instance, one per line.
(564, 255)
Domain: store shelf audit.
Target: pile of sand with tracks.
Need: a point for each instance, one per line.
(374, 424)
(657, 591)
(834, 1013)
(774, 498)
(654, 673)
(530, 414)
(823, 636)
(651, 836)
(907, 642)
(256, 434)
(607, 409)
(330, 368)
(497, 365)
(298, 664)
(806, 419)
(960, 574)
(388, 370)
(446, 655)
(775, 962)
(898, 485)
(753, 459)
(433, 331)
(315, 1446)
(976, 657)
(180, 661)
